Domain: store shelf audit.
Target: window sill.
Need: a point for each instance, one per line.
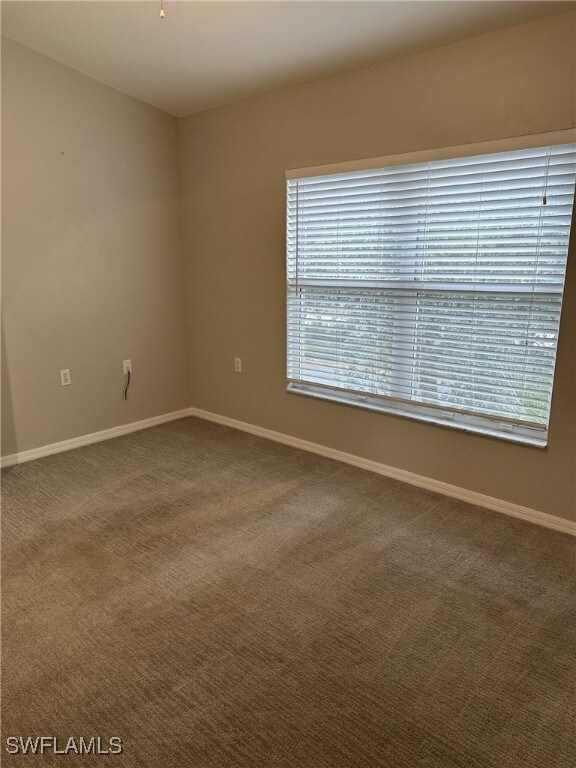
(408, 411)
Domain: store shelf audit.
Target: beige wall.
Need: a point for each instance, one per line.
(93, 270)
(515, 81)
(92, 261)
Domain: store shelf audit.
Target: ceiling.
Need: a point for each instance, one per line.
(208, 53)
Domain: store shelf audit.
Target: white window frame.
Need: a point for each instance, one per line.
(494, 426)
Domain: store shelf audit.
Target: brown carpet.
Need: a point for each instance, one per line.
(217, 600)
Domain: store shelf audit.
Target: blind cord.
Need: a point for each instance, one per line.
(547, 171)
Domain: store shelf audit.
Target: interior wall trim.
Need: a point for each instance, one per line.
(429, 483)
(93, 437)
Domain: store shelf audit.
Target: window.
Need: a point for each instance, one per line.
(432, 287)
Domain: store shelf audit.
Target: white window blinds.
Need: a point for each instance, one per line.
(433, 289)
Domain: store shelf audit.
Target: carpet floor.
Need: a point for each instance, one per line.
(220, 601)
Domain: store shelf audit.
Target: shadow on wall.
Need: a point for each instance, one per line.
(9, 444)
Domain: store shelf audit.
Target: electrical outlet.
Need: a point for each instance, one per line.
(238, 364)
(65, 377)
(127, 366)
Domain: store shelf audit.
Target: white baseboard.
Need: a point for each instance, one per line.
(472, 497)
(93, 437)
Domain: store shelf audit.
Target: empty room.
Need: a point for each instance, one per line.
(288, 384)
